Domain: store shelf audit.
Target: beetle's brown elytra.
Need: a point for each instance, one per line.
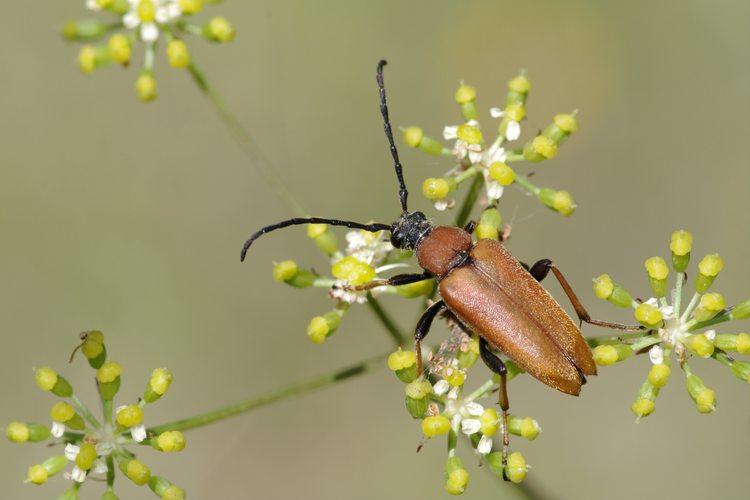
(487, 290)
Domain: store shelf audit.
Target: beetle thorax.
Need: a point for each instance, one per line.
(409, 230)
(443, 249)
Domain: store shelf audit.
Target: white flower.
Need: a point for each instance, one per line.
(78, 475)
(461, 148)
(100, 467)
(441, 387)
(513, 128)
(474, 409)
(470, 426)
(485, 445)
(367, 247)
(71, 451)
(58, 429)
(656, 355)
(165, 11)
(138, 432)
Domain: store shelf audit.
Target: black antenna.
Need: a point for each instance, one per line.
(402, 192)
(373, 228)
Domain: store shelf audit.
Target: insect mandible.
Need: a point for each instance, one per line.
(486, 289)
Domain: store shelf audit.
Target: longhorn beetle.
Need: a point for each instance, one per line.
(487, 290)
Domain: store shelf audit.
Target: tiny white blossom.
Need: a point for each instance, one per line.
(710, 334)
(138, 432)
(453, 394)
(485, 445)
(441, 387)
(470, 426)
(71, 451)
(450, 132)
(493, 155)
(656, 355)
(496, 112)
(513, 130)
(78, 475)
(441, 205)
(100, 467)
(57, 429)
(474, 409)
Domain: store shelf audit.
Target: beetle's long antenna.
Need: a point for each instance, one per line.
(373, 228)
(402, 192)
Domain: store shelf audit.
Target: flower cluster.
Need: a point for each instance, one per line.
(444, 408)
(366, 257)
(474, 156)
(675, 330)
(146, 22)
(93, 446)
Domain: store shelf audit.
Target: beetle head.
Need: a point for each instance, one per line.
(409, 229)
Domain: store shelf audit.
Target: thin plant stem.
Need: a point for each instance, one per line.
(243, 138)
(471, 198)
(398, 337)
(84, 410)
(254, 403)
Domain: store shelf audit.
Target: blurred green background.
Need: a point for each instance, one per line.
(129, 218)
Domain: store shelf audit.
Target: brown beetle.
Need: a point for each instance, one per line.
(487, 290)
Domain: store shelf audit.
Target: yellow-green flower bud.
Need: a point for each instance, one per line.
(218, 29)
(130, 416)
(741, 310)
(566, 122)
(136, 471)
(419, 289)
(170, 441)
(520, 84)
(417, 397)
(174, 493)
(37, 474)
(680, 245)
(285, 270)
(515, 112)
(486, 232)
(730, 342)
(705, 398)
(404, 365)
(465, 93)
(559, 201)
(741, 370)
(46, 378)
(413, 136)
(316, 230)
(437, 188)
(643, 407)
(69, 494)
(491, 217)
(710, 266)
(527, 428)
(648, 315)
(658, 375)
(94, 350)
(84, 30)
(457, 481)
(490, 422)
(517, 468)
(17, 432)
(146, 11)
(435, 425)
(145, 87)
(540, 148)
(109, 494)
(710, 305)
(108, 376)
(191, 6)
(699, 345)
(320, 327)
(469, 134)
(502, 173)
(91, 58)
(158, 384)
(178, 54)
(353, 271)
(86, 456)
(324, 239)
(119, 49)
(657, 270)
(466, 358)
(606, 355)
(62, 412)
(743, 343)
(454, 376)
(166, 490)
(603, 286)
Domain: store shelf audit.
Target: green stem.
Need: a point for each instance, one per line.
(677, 298)
(466, 174)
(693, 325)
(527, 185)
(272, 397)
(110, 471)
(471, 198)
(689, 309)
(514, 155)
(722, 358)
(243, 138)
(481, 391)
(398, 337)
(615, 339)
(646, 342)
(84, 411)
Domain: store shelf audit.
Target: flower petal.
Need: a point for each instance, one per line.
(450, 132)
(78, 475)
(474, 409)
(485, 445)
(496, 112)
(57, 430)
(656, 355)
(470, 426)
(149, 32)
(71, 451)
(138, 432)
(513, 131)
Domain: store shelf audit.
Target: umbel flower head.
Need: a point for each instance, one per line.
(676, 330)
(148, 24)
(475, 155)
(93, 447)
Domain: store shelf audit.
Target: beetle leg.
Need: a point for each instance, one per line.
(399, 279)
(423, 328)
(496, 365)
(540, 270)
(470, 226)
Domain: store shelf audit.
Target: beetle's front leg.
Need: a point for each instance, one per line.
(398, 280)
(496, 365)
(540, 270)
(423, 328)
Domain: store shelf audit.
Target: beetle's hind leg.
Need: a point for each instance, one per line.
(423, 328)
(496, 365)
(540, 270)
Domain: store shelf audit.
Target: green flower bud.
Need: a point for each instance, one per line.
(158, 385)
(559, 201)
(710, 266)
(540, 148)
(645, 402)
(413, 136)
(430, 146)
(605, 288)
(404, 365)
(119, 49)
(561, 127)
(84, 30)
(465, 94)
(129, 416)
(741, 370)
(502, 173)
(63, 413)
(606, 355)
(49, 381)
(285, 270)
(527, 428)
(741, 310)
(657, 270)
(681, 244)
(705, 398)
(136, 471)
(37, 474)
(191, 6)
(454, 376)
(219, 29)
(730, 342)
(70, 494)
(146, 11)
(435, 425)
(517, 468)
(324, 239)
(93, 348)
(108, 376)
(457, 479)
(469, 134)
(170, 441)
(86, 456)
(165, 490)
(490, 422)
(518, 90)
(710, 305)
(320, 327)
(491, 217)
(353, 271)
(178, 54)
(486, 232)
(467, 358)
(145, 87)
(109, 494)
(17, 432)
(437, 188)
(699, 345)
(648, 315)
(658, 375)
